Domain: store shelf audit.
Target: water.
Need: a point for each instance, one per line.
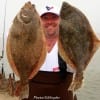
(91, 85)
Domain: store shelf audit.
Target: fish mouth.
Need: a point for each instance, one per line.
(26, 16)
(26, 13)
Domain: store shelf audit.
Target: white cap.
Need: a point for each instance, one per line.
(49, 9)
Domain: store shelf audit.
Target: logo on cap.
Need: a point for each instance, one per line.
(49, 8)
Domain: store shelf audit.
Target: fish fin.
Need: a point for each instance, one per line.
(76, 82)
(41, 60)
(10, 59)
(64, 55)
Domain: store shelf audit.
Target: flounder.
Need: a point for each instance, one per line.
(77, 42)
(26, 45)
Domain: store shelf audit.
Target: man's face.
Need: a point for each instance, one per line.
(50, 24)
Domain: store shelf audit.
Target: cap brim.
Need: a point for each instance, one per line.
(49, 12)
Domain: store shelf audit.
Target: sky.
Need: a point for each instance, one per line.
(90, 8)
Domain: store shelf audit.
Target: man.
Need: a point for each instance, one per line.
(54, 77)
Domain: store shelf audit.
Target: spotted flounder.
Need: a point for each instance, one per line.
(77, 42)
(26, 44)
